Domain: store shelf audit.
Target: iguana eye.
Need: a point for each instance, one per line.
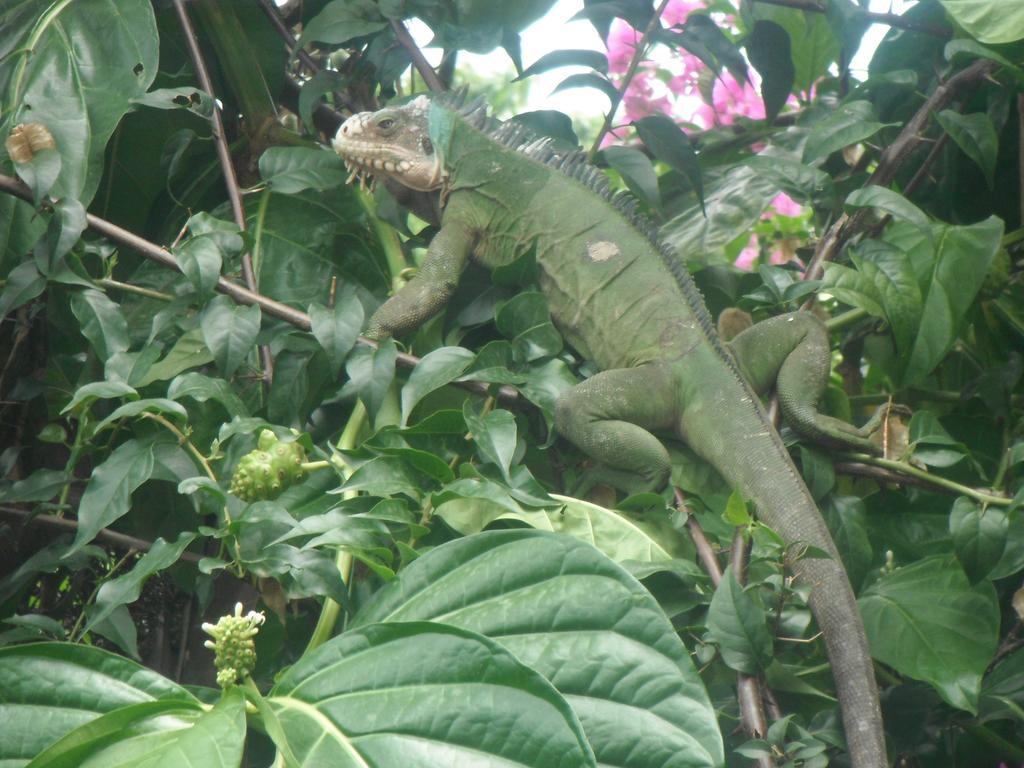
(427, 146)
(386, 123)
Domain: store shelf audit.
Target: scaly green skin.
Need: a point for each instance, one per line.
(626, 302)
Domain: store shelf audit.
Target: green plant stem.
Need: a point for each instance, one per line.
(940, 482)
(846, 318)
(312, 466)
(386, 236)
(634, 64)
(183, 439)
(73, 634)
(331, 610)
(138, 290)
(72, 462)
(257, 230)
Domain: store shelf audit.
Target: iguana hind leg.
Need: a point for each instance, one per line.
(608, 417)
(792, 353)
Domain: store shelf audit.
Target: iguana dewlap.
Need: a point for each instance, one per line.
(624, 300)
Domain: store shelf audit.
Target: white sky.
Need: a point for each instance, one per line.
(555, 31)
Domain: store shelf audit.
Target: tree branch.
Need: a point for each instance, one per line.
(890, 19)
(120, 540)
(268, 8)
(892, 160)
(226, 165)
(236, 292)
(634, 63)
(748, 688)
(418, 59)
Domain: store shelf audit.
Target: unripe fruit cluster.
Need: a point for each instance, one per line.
(268, 471)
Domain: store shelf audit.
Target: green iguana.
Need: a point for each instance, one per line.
(623, 299)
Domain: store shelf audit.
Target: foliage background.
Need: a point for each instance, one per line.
(137, 377)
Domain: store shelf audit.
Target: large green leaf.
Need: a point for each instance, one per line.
(49, 689)
(733, 200)
(579, 619)
(75, 67)
(739, 625)
(991, 21)
(107, 497)
(926, 621)
(423, 694)
(617, 535)
(229, 330)
(850, 123)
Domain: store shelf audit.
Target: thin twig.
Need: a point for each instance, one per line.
(286, 34)
(238, 293)
(891, 471)
(748, 688)
(226, 165)
(121, 540)
(634, 63)
(418, 59)
(889, 19)
(892, 161)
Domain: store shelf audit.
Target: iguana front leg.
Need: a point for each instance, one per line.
(792, 353)
(608, 417)
(432, 286)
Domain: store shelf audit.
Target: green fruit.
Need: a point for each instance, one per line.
(268, 471)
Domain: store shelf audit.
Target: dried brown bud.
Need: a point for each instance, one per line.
(26, 140)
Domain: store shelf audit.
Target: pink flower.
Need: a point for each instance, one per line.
(677, 11)
(748, 255)
(784, 205)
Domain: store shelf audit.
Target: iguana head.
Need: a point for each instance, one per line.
(392, 142)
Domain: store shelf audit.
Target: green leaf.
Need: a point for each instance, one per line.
(200, 259)
(976, 136)
(49, 689)
(229, 330)
(23, 284)
(979, 536)
(494, 436)
(101, 322)
(370, 373)
(962, 259)
(41, 485)
(75, 67)
(188, 351)
(292, 169)
(526, 320)
(927, 622)
(337, 328)
(850, 123)
(636, 170)
(734, 199)
(385, 476)
(148, 405)
(738, 624)
(566, 58)
(202, 388)
(127, 588)
(590, 80)
(40, 173)
(668, 143)
(107, 497)
(792, 177)
(385, 694)
(97, 390)
(892, 203)
(990, 21)
(163, 734)
(342, 20)
(580, 620)
(768, 47)
(192, 99)
(437, 368)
